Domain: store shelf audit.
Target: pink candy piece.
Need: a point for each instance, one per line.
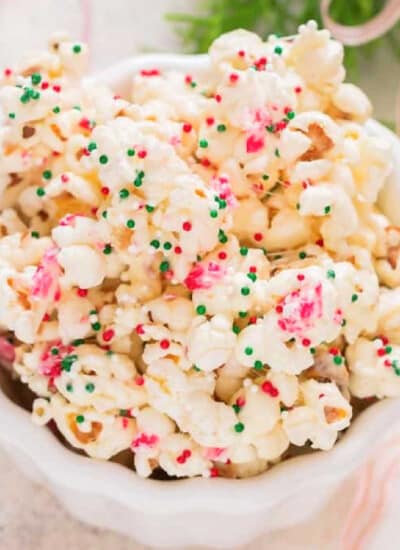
(300, 309)
(145, 440)
(45, 279)
(204, 276)
(254, 143)
(213, 453)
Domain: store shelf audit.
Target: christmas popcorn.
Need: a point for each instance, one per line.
(196, 280)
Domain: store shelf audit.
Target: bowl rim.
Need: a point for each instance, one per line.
(234, 497)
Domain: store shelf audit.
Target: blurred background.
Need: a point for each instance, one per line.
(120, 28)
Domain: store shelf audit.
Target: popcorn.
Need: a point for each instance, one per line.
(197, 274)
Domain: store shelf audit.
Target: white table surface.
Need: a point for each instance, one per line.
(30, 517)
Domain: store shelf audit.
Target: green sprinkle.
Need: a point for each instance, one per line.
(25, 98)
(222, 237)
(270, 128)
(54, 351)
(222, 204)
(77, 108)
(124, 194)
(139, 179)
(221, 128)
(242, 314)
(92, 146)
(245, 291)
(252, 277)
(327, 209)
(78, 342)
(312, 351)
(248, 351)
(213, 213)
(69, 387)
(277, 153)
(164, 266)
(388, 349)
(243, 251)
(103, 159)
(130, 224)
(104, 214)
(66, 363)
(36, 78)
(109, 352)
(343, 323)
(203, 143)
(236, 408)
(40, 192)
(76, 48)
(193, 84)
(239, 427)
(35, 234)
(47, 175)
(80, 419)
(11, 115)
(107, 249)
(130, 152)
(291, 115)
(90, 387)
(338, 360)
(167, 245)
(278, 50)
(196, 368)
(96, 326)
(265, 177)
(302, 255)
(235, 329)
(124, 412)
(56, 110)
(330, 274)
(258, 365)
(354, 297)
(149, 208)
(200, 310)
(297, 206)
(155, 243)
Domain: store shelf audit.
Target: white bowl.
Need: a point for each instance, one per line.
(217, 513)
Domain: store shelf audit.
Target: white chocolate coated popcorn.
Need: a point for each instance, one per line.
(196, 278)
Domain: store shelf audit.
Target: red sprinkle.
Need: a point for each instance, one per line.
(222, 255)
(258, 236)
(306, 342)
(240, 402)
(254, 144)
(300, 277)
(64, 178)
(298, 89)
(214, 472)
(85, 123)
(270, 389)
(186, 226)
(252, 320)
(252, 269)
(108, 335)
(210, 120)
(178, 250)
(57, 88)
(44, 85)
(164, 344)
(334, 351)
(381, 352)
(105, 190)
(188, 79)
(233, 78)
(387, 363)
(139, 329)
(82, 292)
(139, 380)
(150, 72)
(218, 98)
(187, 127)
(385, 340)
(241, 53)
(7, 72)
(142, 154)
(279, 309)
(320, 242)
